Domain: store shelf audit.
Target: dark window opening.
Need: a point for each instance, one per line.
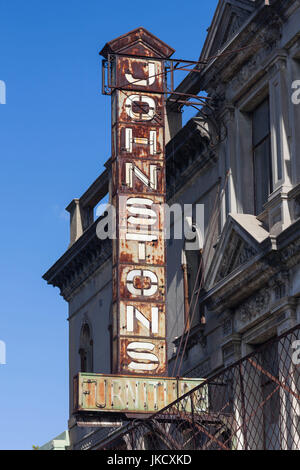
(268, 360)
(262, 162)
(193, 279)
(86, 349)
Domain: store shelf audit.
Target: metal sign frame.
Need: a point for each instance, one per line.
(137, 83)
(133, 395)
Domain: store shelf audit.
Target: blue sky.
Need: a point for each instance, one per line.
(54, 139)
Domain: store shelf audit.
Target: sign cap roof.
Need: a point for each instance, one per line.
(138, 42)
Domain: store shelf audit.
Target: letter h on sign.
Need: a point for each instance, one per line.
(138, 191)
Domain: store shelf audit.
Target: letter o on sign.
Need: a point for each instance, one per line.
(132, 275)
(140, 99)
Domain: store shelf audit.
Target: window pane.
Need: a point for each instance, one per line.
(261, 122)
(262, 174)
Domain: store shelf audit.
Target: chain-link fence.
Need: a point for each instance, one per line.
(252, 405)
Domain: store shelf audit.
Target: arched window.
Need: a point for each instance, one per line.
(86, 349)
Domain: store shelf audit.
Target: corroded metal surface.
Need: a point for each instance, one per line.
(252, 404)
(137, 79)
(132, 394)
(138, 42)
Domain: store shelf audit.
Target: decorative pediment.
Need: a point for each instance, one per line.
(237, 252)
(242, 239)
(228, 18)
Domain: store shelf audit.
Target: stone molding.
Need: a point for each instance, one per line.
(79, 262)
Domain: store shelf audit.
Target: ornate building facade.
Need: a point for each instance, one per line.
(239, 157)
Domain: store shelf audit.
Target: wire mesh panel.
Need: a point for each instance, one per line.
(252, 405)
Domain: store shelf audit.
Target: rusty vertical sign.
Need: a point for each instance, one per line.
(137, 83)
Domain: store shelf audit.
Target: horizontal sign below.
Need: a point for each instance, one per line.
(135, 394)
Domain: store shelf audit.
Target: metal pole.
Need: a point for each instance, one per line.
(244, 426)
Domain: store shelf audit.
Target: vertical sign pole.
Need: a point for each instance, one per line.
(138, 195)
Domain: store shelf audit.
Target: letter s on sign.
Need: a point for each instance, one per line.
(149, 215)
(141, 352)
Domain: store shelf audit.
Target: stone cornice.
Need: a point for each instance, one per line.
(229, 16)
(195, 336)
(289, 244)
(258, 272)
(261, 30)
(241, 283)
(79, 262)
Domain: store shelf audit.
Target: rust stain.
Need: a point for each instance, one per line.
(132, 393)
(138, 186)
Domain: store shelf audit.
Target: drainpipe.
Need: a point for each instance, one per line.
(185, 290)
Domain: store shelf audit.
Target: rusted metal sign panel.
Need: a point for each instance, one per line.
(134, 394)
(137, 80)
